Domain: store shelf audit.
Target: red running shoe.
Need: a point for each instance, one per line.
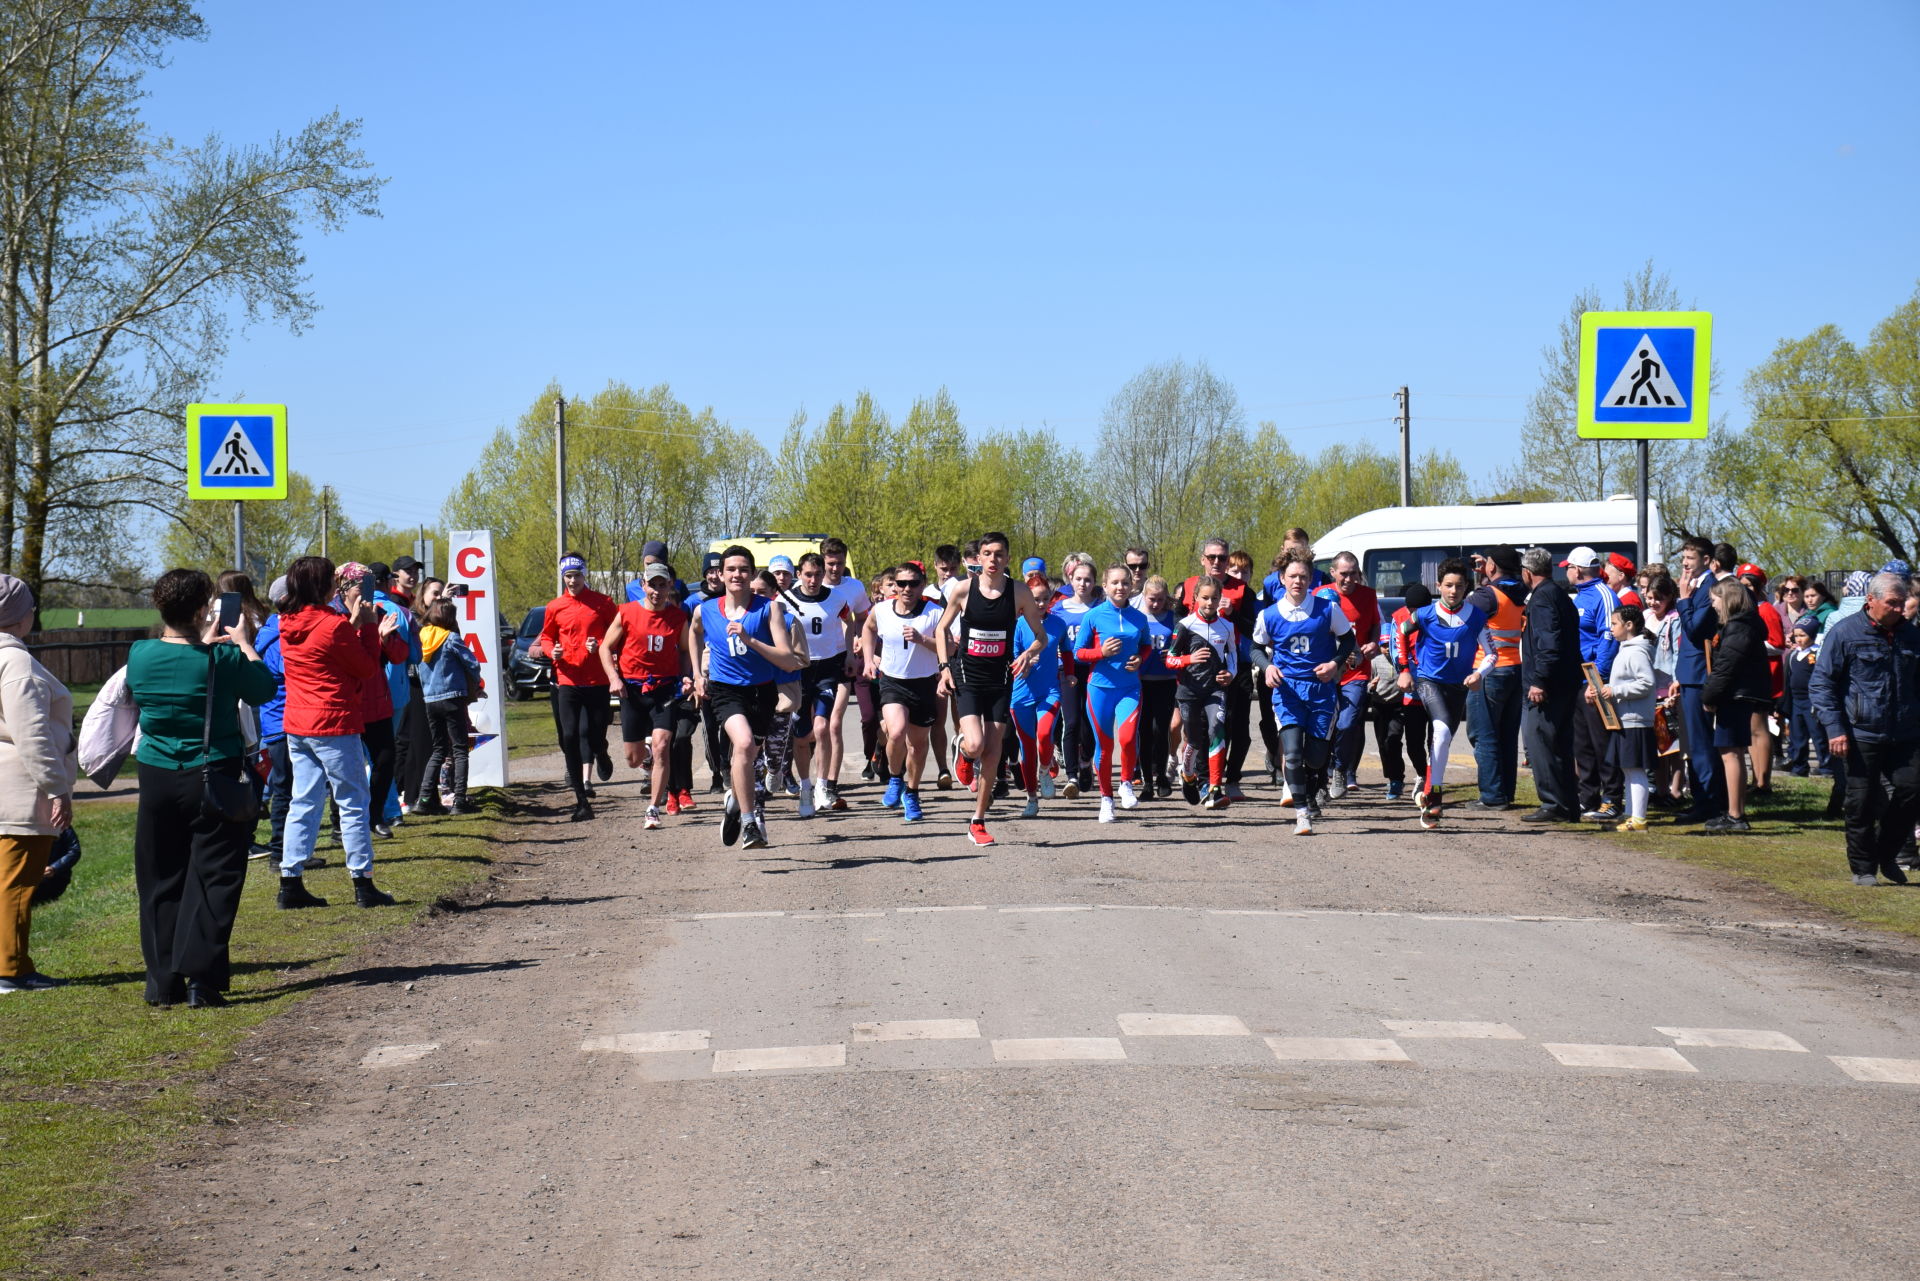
(673, 803)
(686, 802)
(963, 769)
(977, 831)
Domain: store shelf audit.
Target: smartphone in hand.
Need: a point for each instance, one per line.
(229, 611)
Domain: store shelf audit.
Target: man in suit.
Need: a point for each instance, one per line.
(1698, 626)
(1550, 674)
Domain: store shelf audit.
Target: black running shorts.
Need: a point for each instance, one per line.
(920, 695)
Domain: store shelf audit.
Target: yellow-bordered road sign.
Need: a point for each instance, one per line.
(1643, 374)
(236, 451)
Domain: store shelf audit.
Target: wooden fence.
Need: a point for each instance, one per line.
(84, 655)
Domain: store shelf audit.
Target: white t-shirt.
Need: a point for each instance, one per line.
(900, 658)
(822, 622)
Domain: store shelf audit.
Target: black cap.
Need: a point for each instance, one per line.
(712, 560)
(655, 550)
(1419, 596)
(1506, 559)
(406, 565)
(379, 572)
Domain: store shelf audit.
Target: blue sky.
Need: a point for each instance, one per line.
(771, 207)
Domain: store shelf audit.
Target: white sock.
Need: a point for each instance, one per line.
(1439, 743)
(1636, 793)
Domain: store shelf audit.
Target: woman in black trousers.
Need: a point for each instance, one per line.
(189, 866)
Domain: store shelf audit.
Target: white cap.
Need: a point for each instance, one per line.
(1582, 558)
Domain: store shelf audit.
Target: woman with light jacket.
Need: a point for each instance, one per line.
(1739, 679)
(330, 655)
(37, 771)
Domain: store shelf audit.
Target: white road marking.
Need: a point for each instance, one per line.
(1460, 1031)
(1346, 1048)
(918, 1030)
(973, 907)
(648, 1042)
(730, 916)
(833, 916)
(1064, 907)
(389, 1055)
(1643, 1058)
(1181, 1025)
(1035, 1049)
(781, 1056)
(1732, 1038)
(1250, 911)
(1891, 1071)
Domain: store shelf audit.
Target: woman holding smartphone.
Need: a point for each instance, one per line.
(189, 863)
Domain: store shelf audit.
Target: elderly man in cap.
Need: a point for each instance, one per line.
(1493, 706)
(1866, 694)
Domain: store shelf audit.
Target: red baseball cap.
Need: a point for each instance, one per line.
(1750, 571)
(1620, 562)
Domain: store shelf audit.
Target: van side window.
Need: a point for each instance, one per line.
(1390, 569)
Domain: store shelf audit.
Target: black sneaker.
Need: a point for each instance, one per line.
(382, 831)
(1727, 825)
(35, 982)
(1607, 813)
(754, 834)
(730, 821)
(1545, 815)
(1190, 789)
(582, 811)
(1893, 873)
(603, 766)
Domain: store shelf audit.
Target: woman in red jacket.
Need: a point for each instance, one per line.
(332, 656)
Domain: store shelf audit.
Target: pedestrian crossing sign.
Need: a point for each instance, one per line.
(1644, 374)
(236, 451)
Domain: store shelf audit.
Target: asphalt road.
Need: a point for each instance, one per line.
(1185, 1045)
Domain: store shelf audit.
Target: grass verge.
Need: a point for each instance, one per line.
(530, 730)
(1794, 848)
(93, 1081)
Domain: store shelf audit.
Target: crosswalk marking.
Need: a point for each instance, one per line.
(1460, 1031)
(1181, 1025)
(917, 1030)
(1348, 1048)
(1888, 1071)
(1640, 1058)
(1035, 1049)
(784, 1056)
(1732, 1038)
(648, 1042)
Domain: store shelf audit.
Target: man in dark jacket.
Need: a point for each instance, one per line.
(1866, 694)
(1698, 624)
(1550, 673)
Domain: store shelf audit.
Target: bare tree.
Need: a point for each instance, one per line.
(1167, 441)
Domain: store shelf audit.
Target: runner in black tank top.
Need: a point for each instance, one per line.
(981, 678)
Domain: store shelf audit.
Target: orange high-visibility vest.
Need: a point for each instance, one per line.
(1504, 630)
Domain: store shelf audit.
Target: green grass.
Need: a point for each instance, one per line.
(93, 1081)
(1795, 848)
(54, 619)
(530, 730)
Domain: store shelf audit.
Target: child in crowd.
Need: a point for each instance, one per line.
(1631, 747)
(449, 680)
(1803, 727)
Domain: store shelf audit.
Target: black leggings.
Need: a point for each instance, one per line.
(413, 744)
(1305, 758)
(680, 775)
(1240, 698)
(1156, 719)
(580, 717)
(378, 738)
(447, 728)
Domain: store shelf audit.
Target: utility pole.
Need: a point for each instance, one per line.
(239, 537)
(1640, 498)
(559, 478)
(326, 504)
(1405, 420)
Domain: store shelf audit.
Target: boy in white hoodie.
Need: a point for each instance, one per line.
(1632, 748)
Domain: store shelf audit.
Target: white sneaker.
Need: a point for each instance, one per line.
(653, 817)
(1106, 809)
(1286, 795)
(806, 802)
(822, 798)
(1032, 809)
(1234, 793)
(1128, 800)
(1046, 785)
(1303, 824)
(793, 786)
(1337, 786)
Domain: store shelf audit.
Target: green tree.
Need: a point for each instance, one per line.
(1170, 443)
(1555, 465)
(125, 260)
(1829, 470)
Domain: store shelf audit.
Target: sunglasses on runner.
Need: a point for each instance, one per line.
(907, 582)
(1213, 555)
(1136, 565)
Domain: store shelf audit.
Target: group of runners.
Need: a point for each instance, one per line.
(1137, 678)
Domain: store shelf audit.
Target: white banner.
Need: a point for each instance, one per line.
(470, 565)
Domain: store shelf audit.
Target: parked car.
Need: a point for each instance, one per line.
(528, 673)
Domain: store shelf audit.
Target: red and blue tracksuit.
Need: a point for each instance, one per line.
(1036, 698)
(1113, 692)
